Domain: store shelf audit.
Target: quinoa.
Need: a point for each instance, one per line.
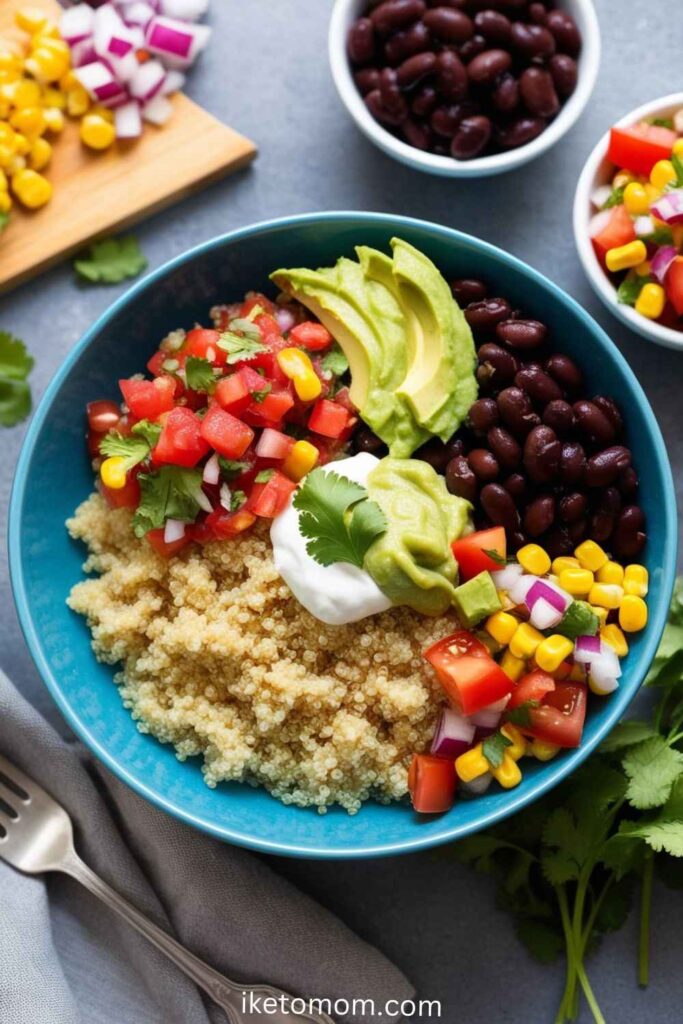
(218, 658)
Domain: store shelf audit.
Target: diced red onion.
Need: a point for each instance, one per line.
(83, 53)
(138, 14)
(173, 82)
(519, 590)
(544, 616)
(157, 111)
(454, 735)
(586, 648)
(285, 318)
(186, 10)
(478, 786)
(114, 43)
(178, 43)
(548, 592)
(273, 444)
(76, 23)
(147, 80)
(98, 80)
(662, 260)
(669, 207)
(505, 578)
(212, 471)
(485, 719)
(601, 195)
(128, 121)
(117, 99)
(173, 530)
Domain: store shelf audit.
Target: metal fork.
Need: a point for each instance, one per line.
(36, 835)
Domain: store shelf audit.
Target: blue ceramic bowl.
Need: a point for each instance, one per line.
(54, 475)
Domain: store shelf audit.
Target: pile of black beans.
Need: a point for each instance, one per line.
(464, 77)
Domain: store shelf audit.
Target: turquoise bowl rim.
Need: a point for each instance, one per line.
(555, 771)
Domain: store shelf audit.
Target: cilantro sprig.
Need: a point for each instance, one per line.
(169, 493)
(242, 340)
(134, 447)
(15, 393)
(111, 260)
(199, 375)
(568, 868)
(337, 518)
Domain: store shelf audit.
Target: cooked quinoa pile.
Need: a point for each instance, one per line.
(218, 658)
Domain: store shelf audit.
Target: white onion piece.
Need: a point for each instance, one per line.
(678, 121)
(453, 736)
(604, 680)
(478, 786)
(157, 111)
(505, 578)
(186, 10)
(178, 43)
(128, 121)
(147, 80)
(76, 23)
(138, 14)
(662, 260)
(174, 530)
(485, 719)
(173, 82)
(520, 588)
(643, 226)
(543, 615)
(203, 502)
(285, 318)
(114, 43)
(212, 471)
(586, 648)
(137, 35)
(97, 80)
(601, 195)
(599, 222)
(225, 497)
(83, 53)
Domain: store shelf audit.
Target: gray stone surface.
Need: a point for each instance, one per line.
(266, 73)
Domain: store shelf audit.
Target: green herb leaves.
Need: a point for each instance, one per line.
(111, 260)
(15, 366)
(678, 168)
(334, 361)
(615, 198)
(135, 447)
(169, 493)
(199, 375)
(630, 288)
(337, 518)
(242, 340)
(652, 767)
(493, 748)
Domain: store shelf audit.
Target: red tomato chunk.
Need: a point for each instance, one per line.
(181, 442)
(269, 499)
(472, 553)
(328, 418)
(560, 717)
(639, 147)
(431, 782)
(225, 433)
(147, 399)
(469, 675)
(310, 335)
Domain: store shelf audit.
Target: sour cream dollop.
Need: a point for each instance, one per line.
(338, 593)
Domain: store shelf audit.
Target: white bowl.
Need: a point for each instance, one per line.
(346, 11)
(598, 171)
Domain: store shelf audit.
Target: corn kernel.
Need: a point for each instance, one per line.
(471, 764)
(564, 562)
(53, 44)
(632, 614)
(636, 580)
(552, 651)
(96, 133)
(4, 183)
(104, 112)
(7, 134)
(513, 667)
(643, 269)
(54, 119)
(610, 572)
(621, 179)
(576, 581)
(501, 626)
(31, 189)
(77, 101)
(651, 301)
(296, 365)
(53, 97)
(40, 154)
(601, 614)
(662, 174)
(635, 199)
(622, 257)
(678, 147)
(25, 93)
(301, 460)
(30, 19)
(507, 774)
(653, 194)
(606, 595)
(6, 155)
(21, 144)
(69, 81)
(29, 121)
(543, 751)
(591, 556)
(518, 746)
(5, 202)
(613, 636)
(47, 66)
(525, 641)
(113, 472)
(16, 164)
(534, 559)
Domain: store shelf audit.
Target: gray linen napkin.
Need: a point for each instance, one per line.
(66, 959)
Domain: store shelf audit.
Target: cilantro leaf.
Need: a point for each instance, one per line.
(239, 347)
(678, 168)
(328, 505)
(263, 476)
(111, 260)
(15, 366)
(662, 122)
(169, 493)
(652, 767)
(199, 375)
(334, 361)
(630, 288)
(626, 734)
(150, 431)
(520, 715)
(543, 941)
(661, 834)
(261, 394)
(231, 467)
(662, 235)
(493, 748)
(615, 198)
(131, 448)
(564, 852)
(494, 556)
(237, 499)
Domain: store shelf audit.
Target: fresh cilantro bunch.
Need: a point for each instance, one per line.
(568, 868)
(111, 260)
(15, 366)
(337, 518)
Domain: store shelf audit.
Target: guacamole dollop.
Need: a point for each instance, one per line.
(412, 561)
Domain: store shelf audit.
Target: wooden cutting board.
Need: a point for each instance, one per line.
(100, 193)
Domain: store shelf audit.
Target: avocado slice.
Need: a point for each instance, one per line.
(439, 384)
(476, 599)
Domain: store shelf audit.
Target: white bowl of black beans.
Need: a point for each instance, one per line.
(464, 88)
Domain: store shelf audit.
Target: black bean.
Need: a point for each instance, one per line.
(534, 42)
(486, 67)
(539, 515)
(447, 116)
(424, 101)
(471, 137)
(493, 26)
(593, 424)
(483, 415)
(538, 385)
(604, 467)
(455, 446)
(505, 94)
(393, 15)
(611, 411)
(629, 533)
(404, 44)
(572, 506)
(565, 371)
(499, 506)
(538, 13)
(416, 133)
(460, 479)
(565, 73)
(373, 102)
(542, 451)
(514, 406)
(519, 132)
(516, 486)
(609, 501)
(414, 68)
(366, 80)
(435, 453)
(390, 90)
(365, 441)
(449, 25)
(563, 28)
(522, 334)
(483, 464)
(559, 415)
(451, 76)
(537, 90)
(578, 530)
(483, 316)
(600, 526)
(505, 447)
(468, 289)
(572, 463)
(628, 482)
(360, 42)
(503, 363)
(559, 542)
(474, 46)
(516, 540)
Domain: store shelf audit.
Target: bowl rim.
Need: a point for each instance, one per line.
(447, 166)
(581, 216)
(554, 770)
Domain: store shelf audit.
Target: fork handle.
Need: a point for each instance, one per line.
(231, 997)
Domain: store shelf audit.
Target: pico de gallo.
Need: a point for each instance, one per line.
(637, 231)
(225, 424)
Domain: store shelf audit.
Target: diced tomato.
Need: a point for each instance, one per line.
(472, 553)
(328, 418)
(639, 147)
(674, 285)
(166, 550)
(127, 496)
(203, 344)
(181, 442)
(221, 525)
(431, 782)
(534, 686)
(619, 230)
(147, 399)
(311, 335)
(156, 364)
(225, 433)
(256, 299)
(93, 441)
(343, 397)
(103, 415)
(270, 498)
(560, 717)
(273, 444)
(469, 675)
(271, 410)
(232, 393)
